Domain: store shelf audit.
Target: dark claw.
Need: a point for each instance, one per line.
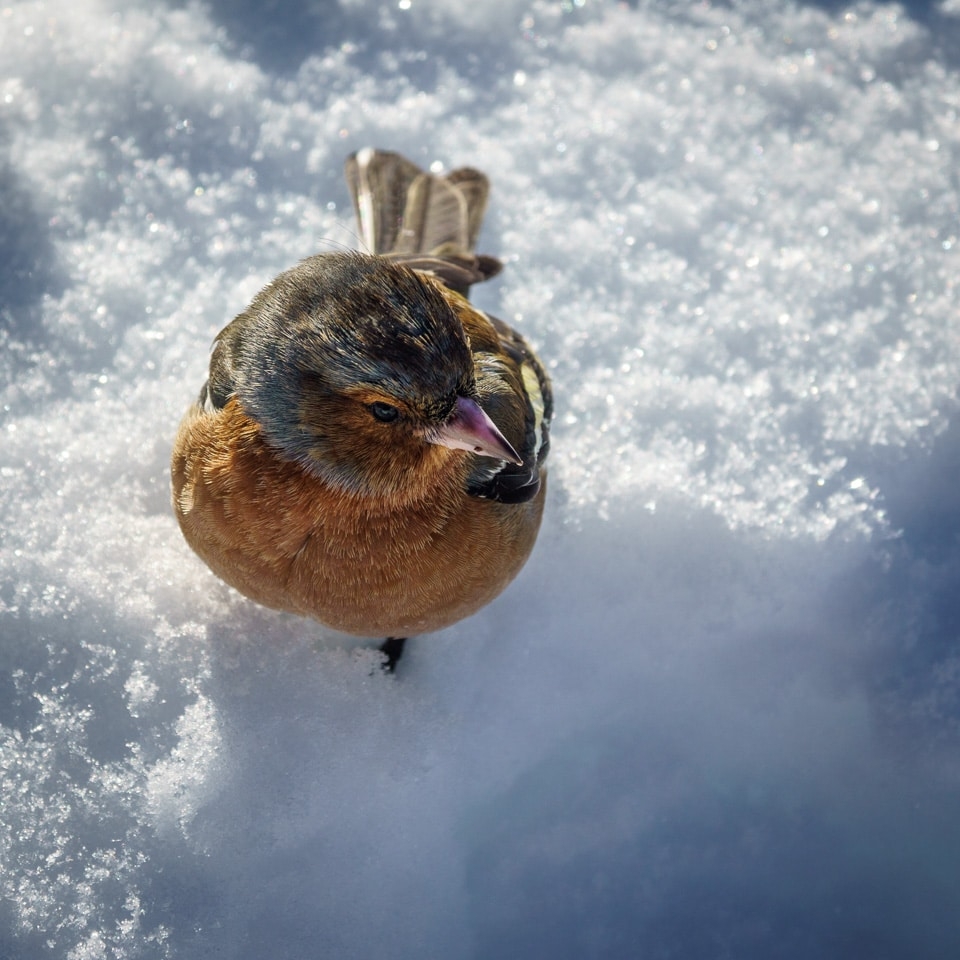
(392, 649)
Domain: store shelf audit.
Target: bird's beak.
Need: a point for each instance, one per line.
(469, 428)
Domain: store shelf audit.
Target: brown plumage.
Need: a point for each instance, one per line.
(369, 448)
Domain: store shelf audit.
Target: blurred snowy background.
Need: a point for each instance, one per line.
(718, 715)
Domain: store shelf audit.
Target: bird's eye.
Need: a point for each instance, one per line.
(384, 412)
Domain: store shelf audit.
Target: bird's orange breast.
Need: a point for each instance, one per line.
(363, 565)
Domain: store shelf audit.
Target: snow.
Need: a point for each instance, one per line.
(718, 714)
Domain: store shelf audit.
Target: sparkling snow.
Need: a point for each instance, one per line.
(718, 714)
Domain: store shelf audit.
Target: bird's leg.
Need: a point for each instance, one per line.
(392, 649)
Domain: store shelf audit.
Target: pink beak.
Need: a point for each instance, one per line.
(469, 428)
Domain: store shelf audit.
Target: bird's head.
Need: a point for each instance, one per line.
(360, 370)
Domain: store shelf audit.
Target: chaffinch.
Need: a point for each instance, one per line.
(369, 449)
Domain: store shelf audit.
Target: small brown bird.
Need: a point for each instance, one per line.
(369, 448)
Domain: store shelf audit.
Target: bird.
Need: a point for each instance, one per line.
(369, 448)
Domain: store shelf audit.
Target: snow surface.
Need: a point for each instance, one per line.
(718, 715)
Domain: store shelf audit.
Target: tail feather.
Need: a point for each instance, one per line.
(475, 188)
(425, 221)
(434, 219)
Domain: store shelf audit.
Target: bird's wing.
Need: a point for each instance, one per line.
(515, 391)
